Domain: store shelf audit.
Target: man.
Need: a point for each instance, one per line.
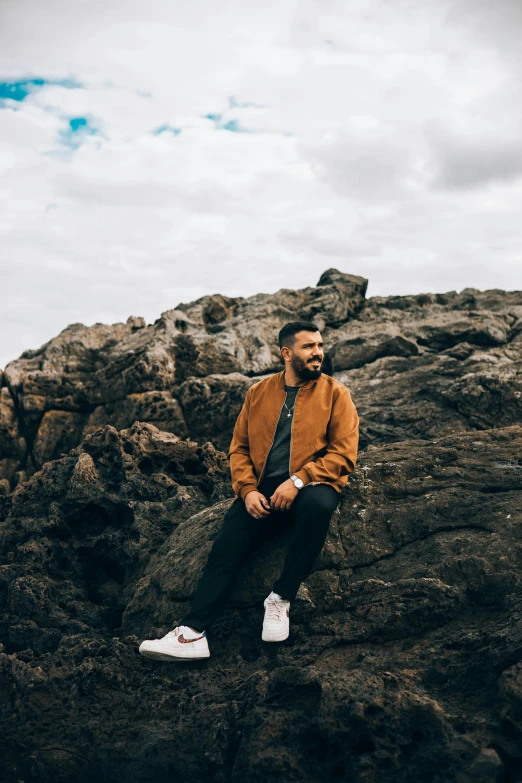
(294, 445)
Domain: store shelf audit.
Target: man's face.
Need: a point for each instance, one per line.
(307, 355)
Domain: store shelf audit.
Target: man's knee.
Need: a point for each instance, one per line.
(319, 500)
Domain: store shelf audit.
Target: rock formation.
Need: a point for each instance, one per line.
(418, 366)
(161, 374)
(404, 663)
(405, 656)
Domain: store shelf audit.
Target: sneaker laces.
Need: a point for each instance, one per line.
(275, 610)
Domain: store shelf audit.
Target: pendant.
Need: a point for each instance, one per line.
(289, 416)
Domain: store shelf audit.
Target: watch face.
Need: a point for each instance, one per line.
(299, 483)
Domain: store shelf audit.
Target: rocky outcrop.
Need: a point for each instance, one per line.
(91, 376)
(448, 363)
(417, 366)
(404, 661)
(96, 515)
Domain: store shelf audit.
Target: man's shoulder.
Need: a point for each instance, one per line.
(334, 385)
(267, 382)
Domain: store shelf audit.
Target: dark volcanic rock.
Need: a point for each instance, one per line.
(85, 527)
(405, 653)
(404, 663)
(431, 365)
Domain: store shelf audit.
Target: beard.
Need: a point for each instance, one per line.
(304, 370)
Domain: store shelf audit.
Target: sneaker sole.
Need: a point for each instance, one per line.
(169, 656)
(274, 637)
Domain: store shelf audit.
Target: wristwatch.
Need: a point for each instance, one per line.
(297, 481)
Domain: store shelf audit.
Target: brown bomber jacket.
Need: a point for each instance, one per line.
(324, 440)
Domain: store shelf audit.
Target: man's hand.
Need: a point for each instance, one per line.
(256, 504)
(284, 496)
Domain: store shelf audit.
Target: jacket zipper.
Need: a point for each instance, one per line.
(273, 438)
(312, 483)
(291, 433)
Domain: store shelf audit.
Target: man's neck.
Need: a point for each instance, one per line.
(291, 379)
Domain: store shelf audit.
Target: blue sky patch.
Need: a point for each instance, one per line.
(234, 127)
(78, 123)
(78, 128)
(166, 129)
(231, 125)
(20, 89)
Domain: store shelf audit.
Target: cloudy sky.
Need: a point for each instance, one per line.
(151, 153)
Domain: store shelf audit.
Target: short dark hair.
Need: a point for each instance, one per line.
(289, 331)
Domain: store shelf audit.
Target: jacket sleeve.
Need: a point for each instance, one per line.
(343, 441)
(241, 467)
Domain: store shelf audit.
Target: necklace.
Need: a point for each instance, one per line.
(289, 414)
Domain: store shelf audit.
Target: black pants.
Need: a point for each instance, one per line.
(241, 534)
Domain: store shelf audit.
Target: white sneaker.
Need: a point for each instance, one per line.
(276, 625)
(182, 644)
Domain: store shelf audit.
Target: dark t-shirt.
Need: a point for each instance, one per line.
(278, 462)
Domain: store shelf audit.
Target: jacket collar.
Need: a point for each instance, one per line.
(280, 378)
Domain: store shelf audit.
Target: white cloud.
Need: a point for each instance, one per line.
(472, 160)
(352, 112)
